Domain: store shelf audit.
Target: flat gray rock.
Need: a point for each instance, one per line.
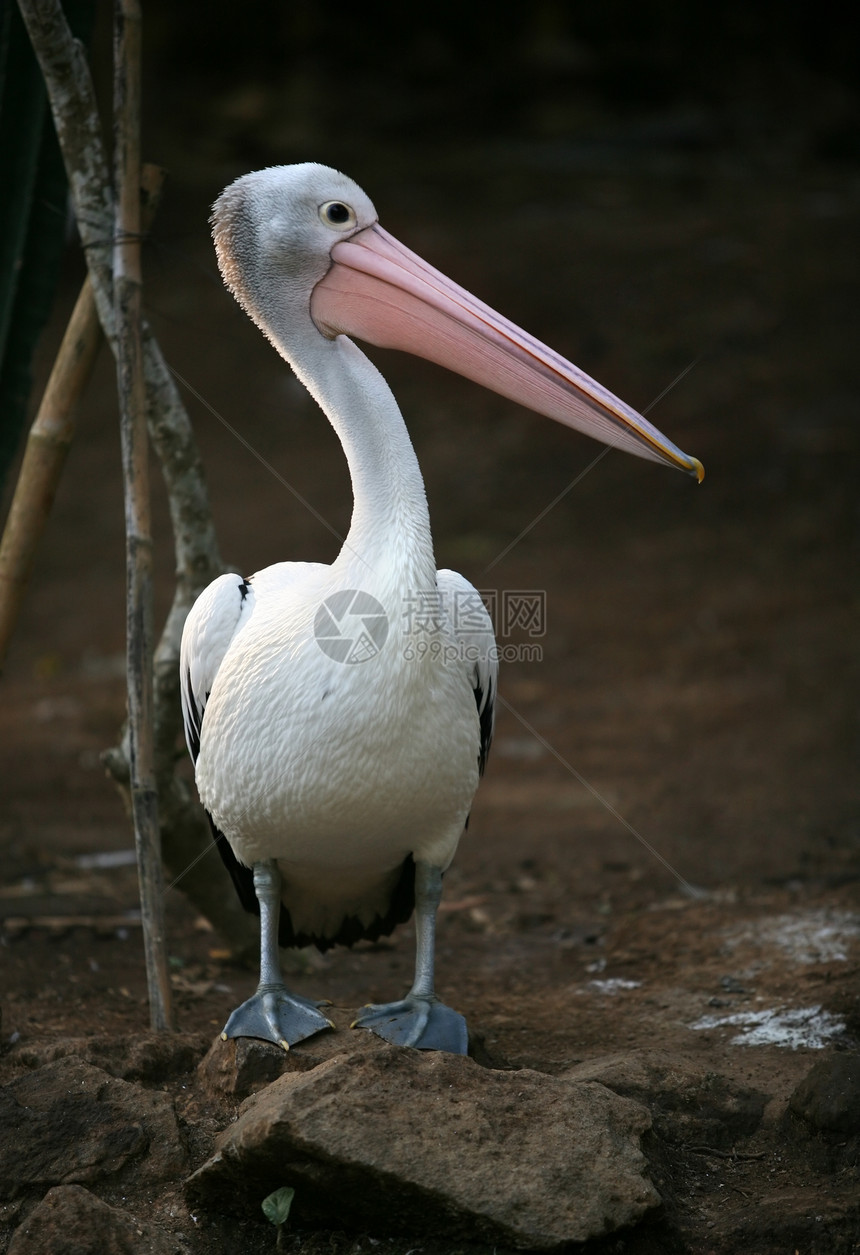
(420, 1142)
(132, 1056)
(69, 1122)
(72, 1221)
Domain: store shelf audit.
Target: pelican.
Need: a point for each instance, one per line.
(339, 717)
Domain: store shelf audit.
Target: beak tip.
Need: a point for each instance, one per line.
(697, 469)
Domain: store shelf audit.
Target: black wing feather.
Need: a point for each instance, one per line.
(193, 718)
(485, 715)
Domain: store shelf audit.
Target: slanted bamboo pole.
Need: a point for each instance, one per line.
(44, 458)
(51, 435)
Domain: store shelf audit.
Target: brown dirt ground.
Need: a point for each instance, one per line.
(696, 694)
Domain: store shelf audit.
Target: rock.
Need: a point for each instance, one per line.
(72, 1221)
(70, 1122)
(828, 1097)
(420, 1142)
(137, 1057)
(239, 1066)
(161, 1056)
(688, 1103)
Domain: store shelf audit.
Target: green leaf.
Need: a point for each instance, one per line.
(277, 1206)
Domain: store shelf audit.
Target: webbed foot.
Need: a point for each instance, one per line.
(423, 1023)
(274, 1014)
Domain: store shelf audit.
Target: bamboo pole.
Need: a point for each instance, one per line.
(51, 435)
(135, 464)
(44, 458)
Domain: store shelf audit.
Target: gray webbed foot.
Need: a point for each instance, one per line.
(424, 1023)
(274, 1014)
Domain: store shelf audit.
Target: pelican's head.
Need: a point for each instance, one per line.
(281, 224)
(306, 238)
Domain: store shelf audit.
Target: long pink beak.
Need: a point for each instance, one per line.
(380, 292)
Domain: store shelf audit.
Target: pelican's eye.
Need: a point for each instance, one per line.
(335, 213)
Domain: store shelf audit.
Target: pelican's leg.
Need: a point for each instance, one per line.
(273, 1013)
(420, 1019)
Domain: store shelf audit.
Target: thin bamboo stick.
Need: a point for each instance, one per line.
(135, 459)
(51, 435)
(44, 458)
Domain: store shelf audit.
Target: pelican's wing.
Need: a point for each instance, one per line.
(215, 618)
(473, 628)
(218, 614)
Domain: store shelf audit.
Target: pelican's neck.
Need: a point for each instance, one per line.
(389, 533)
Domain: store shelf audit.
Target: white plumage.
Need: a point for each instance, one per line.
(339, 771)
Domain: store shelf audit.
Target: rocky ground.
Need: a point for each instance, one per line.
(652, 924)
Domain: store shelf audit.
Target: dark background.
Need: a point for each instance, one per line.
(652, 189)
(668, 194)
